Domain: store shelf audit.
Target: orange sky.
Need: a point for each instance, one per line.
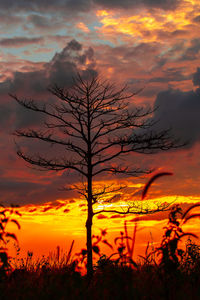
(45, 227)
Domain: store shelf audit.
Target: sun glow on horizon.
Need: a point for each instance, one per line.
(46, 226)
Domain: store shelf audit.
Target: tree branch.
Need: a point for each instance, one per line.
(51, 164)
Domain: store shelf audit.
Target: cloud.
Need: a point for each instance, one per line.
(60, 70)
(39, 21)
(20, 42)
(82, 5)
(5, 19)
(179, 111)
(44, 5)
(163, 215)
(197, 19)
(83, 27)
(117, 216)
(5, 115)
(167, 4)
(114, 198)
(196, 78)
(101, 216)
(171, 74)
(47, 16)
(47, 208)
(192, 52)
(12, 190)
(65, 65)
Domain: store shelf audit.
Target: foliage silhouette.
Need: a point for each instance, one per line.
(5, 236)
(191, 258)
(173, 257)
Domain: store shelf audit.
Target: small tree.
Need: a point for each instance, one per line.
(95, 123)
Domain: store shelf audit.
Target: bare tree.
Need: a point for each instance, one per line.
(97, 124)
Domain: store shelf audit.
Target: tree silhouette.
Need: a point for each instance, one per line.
(96, 123)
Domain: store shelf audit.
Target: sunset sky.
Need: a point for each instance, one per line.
(153, 45)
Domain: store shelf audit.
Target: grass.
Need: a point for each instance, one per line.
(112, 281)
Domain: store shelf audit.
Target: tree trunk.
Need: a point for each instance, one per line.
(89, 239)
(89, 192)
(89, 230)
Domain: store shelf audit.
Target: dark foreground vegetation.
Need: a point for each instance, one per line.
(165, 272)
(110, 282)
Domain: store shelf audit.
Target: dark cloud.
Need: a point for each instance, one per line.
(179, 33)
(163, 215)
(117, 216)
(44, 5)
(29, 82)
(167, 4)
(197, 19)
(5, 115)
(47, 208)
(73, 45)
(179, 111)
(171, 74)
(22, 192)
(39, 21)
(65, 65)
(72, 201)
(20, 42)
(192, 52)
(139, 50)
(101, 216)
(82, 5)
(16, 192)
(196, 77)
(60, 70)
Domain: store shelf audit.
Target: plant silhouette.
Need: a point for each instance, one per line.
(5, 236)
(171, 255)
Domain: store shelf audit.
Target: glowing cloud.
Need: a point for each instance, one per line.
(83, 27)
(147, 25)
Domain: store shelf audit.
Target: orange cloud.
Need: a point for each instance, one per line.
(83, 27)
(146, 25)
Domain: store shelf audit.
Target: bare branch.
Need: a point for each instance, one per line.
(51, 164)
(136, 211)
